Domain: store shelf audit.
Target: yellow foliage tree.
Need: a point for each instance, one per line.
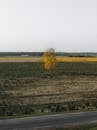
(49, 59)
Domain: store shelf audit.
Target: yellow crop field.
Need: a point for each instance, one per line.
(76, 59)
(40, 59)
(20, 59)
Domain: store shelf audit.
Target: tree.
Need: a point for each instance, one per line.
(49, 59)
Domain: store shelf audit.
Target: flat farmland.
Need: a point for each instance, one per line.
(26, 87)
(76, 59)
(30, 81)
(20, 59)
(40, 59)
(61, 89)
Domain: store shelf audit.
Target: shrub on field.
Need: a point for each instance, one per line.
(49, 59)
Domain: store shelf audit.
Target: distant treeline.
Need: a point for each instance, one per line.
(77, 54)
(74, 54)
(21, 53)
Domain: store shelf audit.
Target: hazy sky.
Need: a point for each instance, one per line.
(35, 25)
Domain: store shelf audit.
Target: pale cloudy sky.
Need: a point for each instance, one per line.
(35, 25)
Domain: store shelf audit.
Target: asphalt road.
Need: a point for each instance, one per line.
(58, 120)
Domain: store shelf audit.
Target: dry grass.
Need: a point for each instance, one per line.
(67, 88)
(65, 84)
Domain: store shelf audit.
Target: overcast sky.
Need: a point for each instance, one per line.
(35, 25)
